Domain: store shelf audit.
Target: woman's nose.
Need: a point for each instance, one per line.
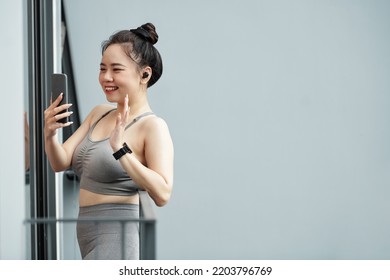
(108, 77)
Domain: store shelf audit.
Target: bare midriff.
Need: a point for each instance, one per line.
(88, 198)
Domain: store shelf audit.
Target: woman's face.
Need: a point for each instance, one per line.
(119, 75)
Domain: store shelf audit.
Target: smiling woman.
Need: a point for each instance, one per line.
(140, 53)
(118, 149)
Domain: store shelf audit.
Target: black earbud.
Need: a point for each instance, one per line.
(145, 75)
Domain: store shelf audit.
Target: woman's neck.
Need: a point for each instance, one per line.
(136, 108)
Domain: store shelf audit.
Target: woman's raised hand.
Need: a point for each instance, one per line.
(116, 137)
(52, 117)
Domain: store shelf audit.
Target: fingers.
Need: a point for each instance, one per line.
(125, 108)
(57, 125)
(118, 119)
(57, 101)
(55, 105)
(58, 117)
(53, 114)
(65, 124)
(51, 128)
(123, 115)
(61, 108)
(116, 137)
(127, 101)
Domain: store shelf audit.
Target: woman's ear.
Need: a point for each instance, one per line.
(146, 75)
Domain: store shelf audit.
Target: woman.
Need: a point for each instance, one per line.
(116, 150)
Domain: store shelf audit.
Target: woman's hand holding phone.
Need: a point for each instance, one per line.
(53, 114)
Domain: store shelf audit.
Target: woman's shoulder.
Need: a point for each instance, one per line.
(99, 110)
(155, 125)
(102, 108)
(154, 122)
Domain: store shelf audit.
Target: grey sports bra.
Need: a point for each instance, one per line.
(98, 170)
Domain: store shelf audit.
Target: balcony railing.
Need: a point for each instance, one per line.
(147, 225)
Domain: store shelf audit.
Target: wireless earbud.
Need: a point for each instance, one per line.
(145, 75)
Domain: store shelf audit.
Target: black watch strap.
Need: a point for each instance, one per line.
(122, 151)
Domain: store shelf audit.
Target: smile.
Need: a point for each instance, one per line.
(111, 88)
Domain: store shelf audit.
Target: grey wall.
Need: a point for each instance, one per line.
(12, 174)
(279, 115)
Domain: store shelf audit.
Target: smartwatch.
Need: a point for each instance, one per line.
(122, 151)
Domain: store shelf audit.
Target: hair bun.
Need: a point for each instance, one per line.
(148, 32)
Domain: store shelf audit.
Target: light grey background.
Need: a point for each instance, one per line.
(279, 112)
(13, 233)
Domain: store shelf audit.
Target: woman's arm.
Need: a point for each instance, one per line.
(56, 154)
(157, 176)
(60, 155)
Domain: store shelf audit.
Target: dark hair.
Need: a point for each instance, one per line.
(138, 45)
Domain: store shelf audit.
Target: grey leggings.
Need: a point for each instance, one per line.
(105, 240)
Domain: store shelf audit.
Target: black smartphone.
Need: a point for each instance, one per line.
(59, 84)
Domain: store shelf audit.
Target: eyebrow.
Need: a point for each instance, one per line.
(113, 64)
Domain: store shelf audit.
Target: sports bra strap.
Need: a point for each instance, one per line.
(105, 114)
(138, 118)
(130, 124)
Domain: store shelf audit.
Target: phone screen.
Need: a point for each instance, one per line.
(59, 84)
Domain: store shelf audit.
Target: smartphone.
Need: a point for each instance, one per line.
(59, 84)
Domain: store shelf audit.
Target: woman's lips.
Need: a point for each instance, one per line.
(109, 90)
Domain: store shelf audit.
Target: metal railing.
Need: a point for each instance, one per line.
(147, 226)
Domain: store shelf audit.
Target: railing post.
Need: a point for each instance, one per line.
(147, 228)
